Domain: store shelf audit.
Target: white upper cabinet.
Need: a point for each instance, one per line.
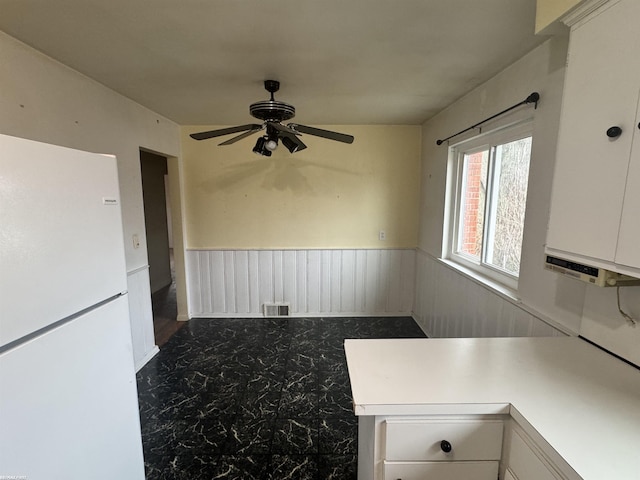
(596, 191)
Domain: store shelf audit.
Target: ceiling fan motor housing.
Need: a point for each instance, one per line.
(272, 110)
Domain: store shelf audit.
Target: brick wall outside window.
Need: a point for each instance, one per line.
(473, 204)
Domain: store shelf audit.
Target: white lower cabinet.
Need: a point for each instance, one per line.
(528, 459)
(441, 470)
(525, 464)
(431, 448)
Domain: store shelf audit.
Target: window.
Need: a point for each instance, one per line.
(488, 193)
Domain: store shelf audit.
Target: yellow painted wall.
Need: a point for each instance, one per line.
(548, 11)
(331, 195)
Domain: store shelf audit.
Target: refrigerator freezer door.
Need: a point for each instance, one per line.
(61, 240)
(68, 402)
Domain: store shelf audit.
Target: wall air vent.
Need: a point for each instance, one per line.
(593, 275)
(276, 310)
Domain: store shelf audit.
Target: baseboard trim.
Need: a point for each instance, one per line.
(309, 315)
(152, 353)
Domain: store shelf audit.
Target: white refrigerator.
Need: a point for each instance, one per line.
(68, 395)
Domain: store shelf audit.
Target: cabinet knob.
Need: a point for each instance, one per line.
(614, 132)
(445, 446)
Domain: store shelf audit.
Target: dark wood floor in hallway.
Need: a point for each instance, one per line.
(165, 313)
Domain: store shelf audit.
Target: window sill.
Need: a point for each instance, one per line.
(502, 290)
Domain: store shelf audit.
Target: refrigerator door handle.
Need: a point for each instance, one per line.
(38, 333)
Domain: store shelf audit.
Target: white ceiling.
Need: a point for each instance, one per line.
(338, 61)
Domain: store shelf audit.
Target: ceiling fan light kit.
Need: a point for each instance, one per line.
(292, 146)
(260, 148)
(273, 112)
(271, 145)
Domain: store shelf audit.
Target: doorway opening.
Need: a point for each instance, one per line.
(157, 219)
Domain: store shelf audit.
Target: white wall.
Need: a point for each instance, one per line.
(541, 293)
(43, 100)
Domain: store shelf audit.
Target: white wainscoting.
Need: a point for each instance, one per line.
(236, 283)
(448, 304)
(141, 314)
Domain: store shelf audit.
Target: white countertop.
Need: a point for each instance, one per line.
(583, 401)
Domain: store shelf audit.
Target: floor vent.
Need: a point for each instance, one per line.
(276, 310)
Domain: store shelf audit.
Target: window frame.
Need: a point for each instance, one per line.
(486, 141)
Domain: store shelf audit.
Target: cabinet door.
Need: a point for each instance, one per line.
(441, 471)
(601, 88)
(508, 475)
(628, 252)
(525, 464)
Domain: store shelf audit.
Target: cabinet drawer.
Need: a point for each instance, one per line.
(440, 470)
(420, 440)
(525, 464)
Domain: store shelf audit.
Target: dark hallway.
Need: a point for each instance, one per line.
(165, 312)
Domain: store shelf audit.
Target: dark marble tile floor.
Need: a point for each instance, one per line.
(259, 399)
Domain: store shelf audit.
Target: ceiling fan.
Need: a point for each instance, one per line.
(273, 112)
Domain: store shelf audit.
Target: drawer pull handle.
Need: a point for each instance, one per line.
(445, 446)
(614, 132)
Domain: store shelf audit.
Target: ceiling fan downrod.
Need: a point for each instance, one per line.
(272, 86)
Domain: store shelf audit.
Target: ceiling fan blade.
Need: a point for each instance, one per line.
(223, 131)
(282, 128)
(241, 136)
(319, 132)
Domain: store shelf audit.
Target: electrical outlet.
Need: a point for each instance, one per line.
(382, 236)
(136, 241)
